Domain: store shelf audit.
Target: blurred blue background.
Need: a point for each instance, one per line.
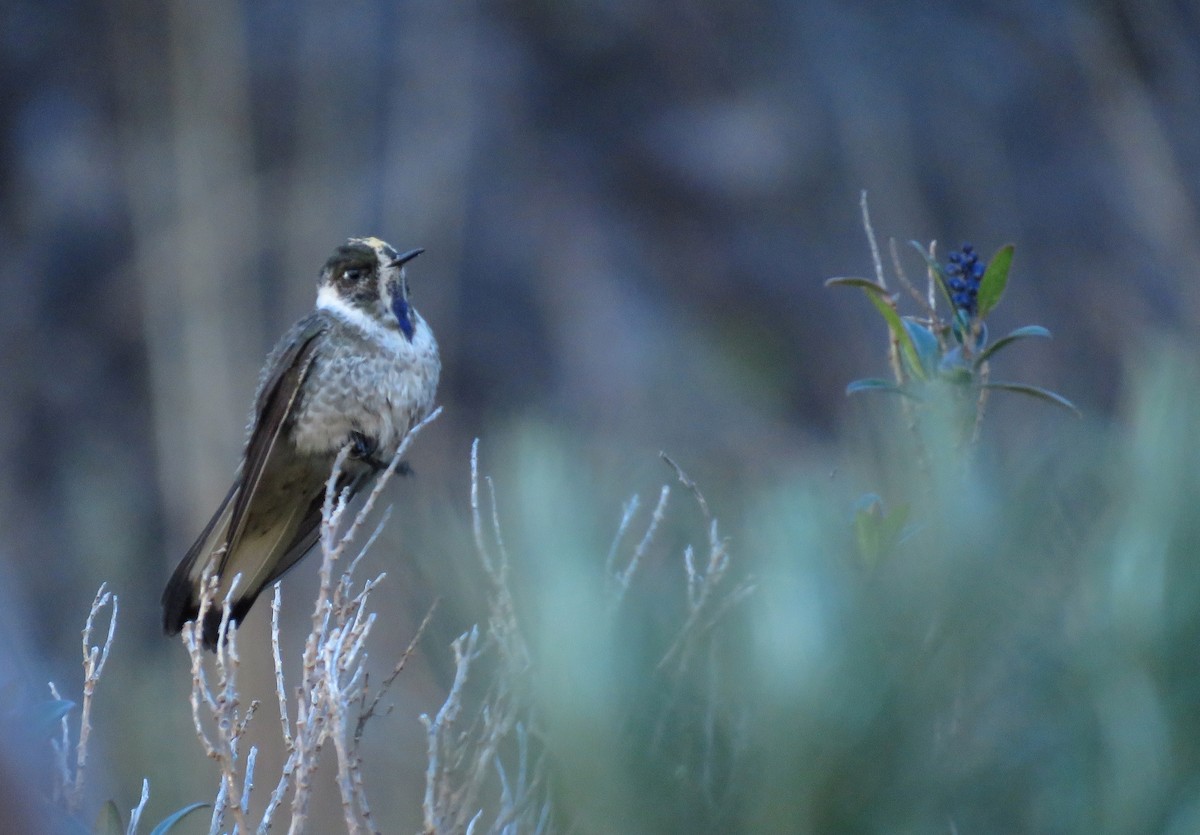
(628, 210)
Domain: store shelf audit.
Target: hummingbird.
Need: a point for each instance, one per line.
(360, 370)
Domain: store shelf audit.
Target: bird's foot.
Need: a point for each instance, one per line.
(364, 449)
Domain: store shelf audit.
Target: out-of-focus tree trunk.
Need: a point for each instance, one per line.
(193, 197)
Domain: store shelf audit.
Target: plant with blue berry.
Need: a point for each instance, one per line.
(964, 275)
(933, 354)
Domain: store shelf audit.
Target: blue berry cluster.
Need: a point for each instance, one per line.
(965, 271)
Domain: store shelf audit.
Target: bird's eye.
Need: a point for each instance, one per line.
(354, 274)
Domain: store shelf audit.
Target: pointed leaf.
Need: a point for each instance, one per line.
(866, 537)
(849, 281)
(165, 825)
(960, 325)
(875, 384)
(900, 333)
(952, 360)
(1038, 392)
(926, 345)
(892, 526)
(108, 821)
(995, 279)
(877, 531)
(867, 517)
(953, 367)
(958, 375)
(45, 717)
(871, 384)
(1020, 333)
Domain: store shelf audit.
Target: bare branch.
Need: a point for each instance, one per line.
(624, 577)
(875, 259)
(437, 730)
(627, 514)
(689, 484)
(94, 659)
(928, 305)
(135, 816)
(365, 715)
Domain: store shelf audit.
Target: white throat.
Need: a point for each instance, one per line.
(329, 301)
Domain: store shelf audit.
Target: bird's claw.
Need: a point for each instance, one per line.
(363, 449)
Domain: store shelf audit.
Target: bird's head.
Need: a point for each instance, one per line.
(367, 275)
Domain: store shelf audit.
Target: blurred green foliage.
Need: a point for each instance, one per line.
(1013, 650)
(1012, 647)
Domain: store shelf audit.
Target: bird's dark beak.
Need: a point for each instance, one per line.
(406, 257)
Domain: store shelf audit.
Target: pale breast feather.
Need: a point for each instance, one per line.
(367, 379)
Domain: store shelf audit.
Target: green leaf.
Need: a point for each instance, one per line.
(926, 345)
(956, 375)
(952, 360)
(953, 367)
(900, 333)
(995, 279)
(962, 326)
(866, 528)
(165, 825)
(108, 821)
(875, 384)
(876, 532)
(864, 283)
(1038, 392)
(937, 270)
(44, 718)
(892, 526)
(1020, 333)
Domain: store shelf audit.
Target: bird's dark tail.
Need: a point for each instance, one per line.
(179, 600)
(211, 631)
(181, 597)
(180, 605)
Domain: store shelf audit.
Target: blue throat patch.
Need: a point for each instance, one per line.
(400, 308)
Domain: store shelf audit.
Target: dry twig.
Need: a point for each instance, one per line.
(69, 776)
(333, 688)
(461, 758)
